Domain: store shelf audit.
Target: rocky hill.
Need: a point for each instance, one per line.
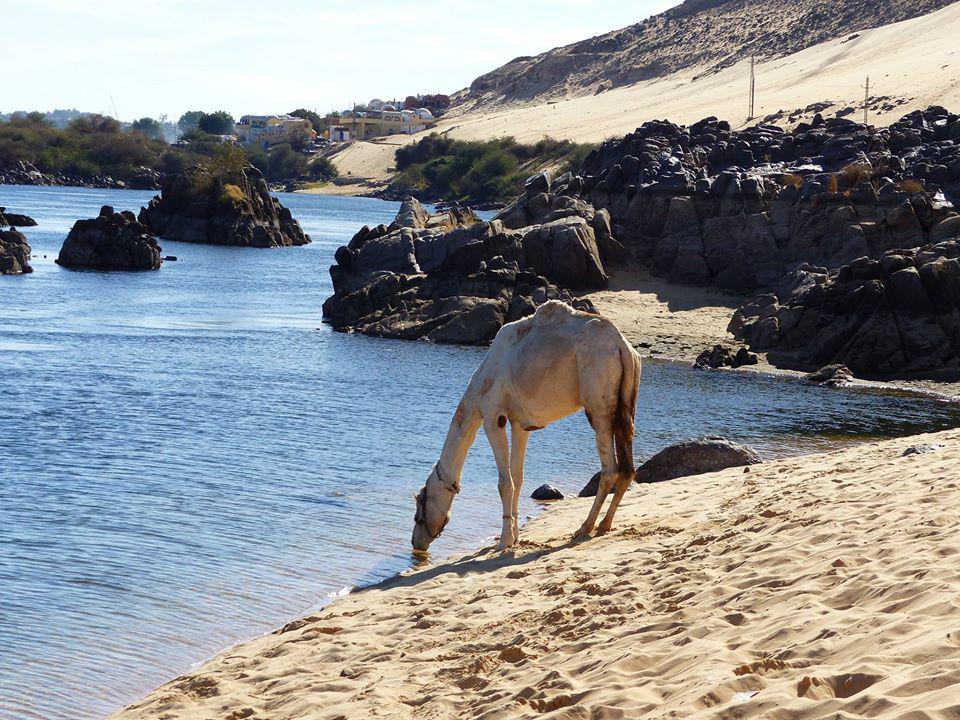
(707, 34)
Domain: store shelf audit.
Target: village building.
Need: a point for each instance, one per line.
(387, 119)
(268, 130)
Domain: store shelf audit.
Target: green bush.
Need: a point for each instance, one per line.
(322, 169)
(480, 171)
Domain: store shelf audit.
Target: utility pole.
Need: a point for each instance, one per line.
(866, 99)
(753, 86)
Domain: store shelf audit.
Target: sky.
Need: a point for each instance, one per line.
(164, 57)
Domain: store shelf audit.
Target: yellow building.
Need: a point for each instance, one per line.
(363, 125)
(267, 130)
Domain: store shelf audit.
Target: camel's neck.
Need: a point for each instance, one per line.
(463, 431)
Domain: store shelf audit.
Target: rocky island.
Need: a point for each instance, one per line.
(15, 219)
(453, 278)
(110, 241)
(232, 207)
(14, 253)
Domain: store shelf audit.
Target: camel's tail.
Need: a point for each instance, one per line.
(626, 408)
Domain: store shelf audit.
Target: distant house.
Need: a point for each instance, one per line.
(267, 130)
(338, 133)
(366, 124)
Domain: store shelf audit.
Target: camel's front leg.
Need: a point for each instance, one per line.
(497, 436)
(518, 452)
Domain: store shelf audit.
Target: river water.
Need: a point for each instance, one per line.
(190, 458)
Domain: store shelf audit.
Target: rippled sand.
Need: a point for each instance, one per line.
(825, 586)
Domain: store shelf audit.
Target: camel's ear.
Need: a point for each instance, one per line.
(416, 498)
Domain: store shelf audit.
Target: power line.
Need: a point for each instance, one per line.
(866, 100)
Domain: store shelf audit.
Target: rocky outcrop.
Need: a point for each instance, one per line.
(831, 376)
(898, 315)
(234, 208)
(695, 457)
(720, 356)
(15, 219)
(111, 241)
(450, 277)
(708, 205)
(14, 253)
(24, 173)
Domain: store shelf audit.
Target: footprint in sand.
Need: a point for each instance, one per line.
(198, 687)
(514, 654)
(838, 686)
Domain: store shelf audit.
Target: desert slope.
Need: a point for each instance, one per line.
(821, 586)
(705, 34)
(912, 65)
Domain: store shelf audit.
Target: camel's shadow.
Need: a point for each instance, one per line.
(482, 561)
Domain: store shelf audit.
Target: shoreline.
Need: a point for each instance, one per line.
(557, 624)
(677, 322)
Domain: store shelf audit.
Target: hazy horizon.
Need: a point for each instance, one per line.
(246, 61)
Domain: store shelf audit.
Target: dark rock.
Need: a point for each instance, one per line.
(565, 252)
(591, 488)
(720, 356)
(923, 449)
(111, 241)
(832, 376)
(546, 492)
(9, 219)
(234, 209)
(898, 316)
(539, 183)
(695, 457)
(14, 253)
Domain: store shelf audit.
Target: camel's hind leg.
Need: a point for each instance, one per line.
(622, 484)
(497, 436)
(608, 474)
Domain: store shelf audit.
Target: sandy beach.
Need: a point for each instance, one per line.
(819, 586)
(671, 321)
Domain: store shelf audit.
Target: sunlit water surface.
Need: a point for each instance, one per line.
(191, 458)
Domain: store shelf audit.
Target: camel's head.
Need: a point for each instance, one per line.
(433, 510)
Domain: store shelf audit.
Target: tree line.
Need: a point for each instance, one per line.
(95, 146)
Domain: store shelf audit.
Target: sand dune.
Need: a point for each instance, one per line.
(823, 586)
(916, 61)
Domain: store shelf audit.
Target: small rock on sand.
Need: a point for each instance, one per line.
(547, 492)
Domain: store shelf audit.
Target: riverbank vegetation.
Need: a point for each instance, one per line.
(480, 171)
(94, 147)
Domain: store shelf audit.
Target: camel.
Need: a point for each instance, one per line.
(538, 370)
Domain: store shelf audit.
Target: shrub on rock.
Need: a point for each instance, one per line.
(221, 206)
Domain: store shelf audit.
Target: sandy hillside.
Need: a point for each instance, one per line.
(707, 34)
(915, 63)
(817, 587)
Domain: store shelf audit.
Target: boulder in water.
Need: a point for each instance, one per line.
(546, 492)
(9, 219)
(14, 253)
(232, 208)
(695, 457)
(111, 241)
